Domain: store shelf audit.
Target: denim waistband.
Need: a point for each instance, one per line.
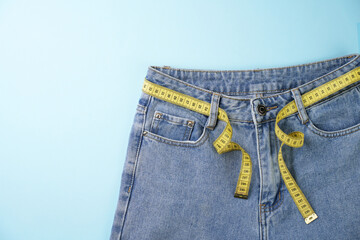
(242, 90)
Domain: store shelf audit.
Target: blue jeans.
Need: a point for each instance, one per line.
(175, 185)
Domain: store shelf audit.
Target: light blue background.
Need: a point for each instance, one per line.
(71, 73)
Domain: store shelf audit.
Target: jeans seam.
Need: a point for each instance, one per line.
(302, 109)
(224, 96)
(343, 91)
(161, 139)
(277, 204)
(130, 189)
(268, 120)
(262, 69)
(306, 108)
(185, 134)
(185, 120)
(340, 133)
(157, 126)
(190, 129)
(299, 114)
(260, 169)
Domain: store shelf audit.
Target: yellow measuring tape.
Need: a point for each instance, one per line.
(295, 139)
(222, 144)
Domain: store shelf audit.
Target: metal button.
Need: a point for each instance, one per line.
(261, 109)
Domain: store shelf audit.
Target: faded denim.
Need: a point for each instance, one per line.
(175, 185)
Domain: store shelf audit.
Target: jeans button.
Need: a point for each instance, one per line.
(261, 109)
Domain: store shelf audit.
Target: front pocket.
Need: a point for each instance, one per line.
(171, 126)
(337, 115)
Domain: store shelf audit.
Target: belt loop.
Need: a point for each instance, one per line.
(212, 120)
(300, 105)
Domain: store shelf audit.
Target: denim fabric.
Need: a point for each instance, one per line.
(175, 185)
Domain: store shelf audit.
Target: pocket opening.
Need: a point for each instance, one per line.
(336, 116)
(171, 126)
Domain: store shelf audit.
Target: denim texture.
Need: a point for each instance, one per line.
(175, 185)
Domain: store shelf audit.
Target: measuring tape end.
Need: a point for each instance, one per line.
(237, 195)
(311, 218)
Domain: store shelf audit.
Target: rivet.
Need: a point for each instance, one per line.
(190, 123)
(261, 109)
(158, 115)
(144, 133)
